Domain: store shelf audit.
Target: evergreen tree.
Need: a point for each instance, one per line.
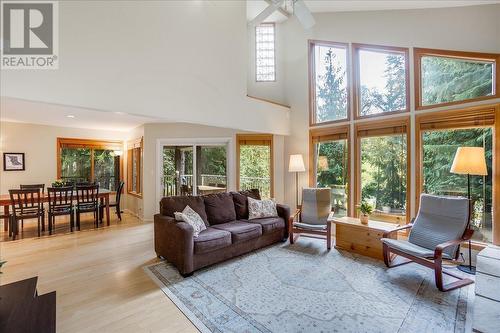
(331, 92)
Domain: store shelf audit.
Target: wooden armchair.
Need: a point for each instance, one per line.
(311, 219)
(435, 234)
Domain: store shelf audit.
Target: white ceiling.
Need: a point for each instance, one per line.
(24, 111)
(254, 7)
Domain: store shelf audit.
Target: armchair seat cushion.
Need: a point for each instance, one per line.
(413, 249)
(269, 224)
(317, 227)
(241, 231)
(211, 239)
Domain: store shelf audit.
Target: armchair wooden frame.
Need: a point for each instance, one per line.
(436, 263)
(294, 232)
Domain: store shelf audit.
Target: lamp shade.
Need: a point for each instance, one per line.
(296, 163)
(322, 163)
(470, 160)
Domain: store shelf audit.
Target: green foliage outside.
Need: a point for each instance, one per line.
(331, 92)
(75, 163)
(255, 169)
(448, 80)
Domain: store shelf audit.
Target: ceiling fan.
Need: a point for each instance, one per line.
(286, 7)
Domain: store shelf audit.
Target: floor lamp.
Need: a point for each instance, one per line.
(469, 161)
(296, 165)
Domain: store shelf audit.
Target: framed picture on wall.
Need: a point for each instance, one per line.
(13, 161)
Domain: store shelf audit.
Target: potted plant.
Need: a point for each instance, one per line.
(58, 183)
(365, 209)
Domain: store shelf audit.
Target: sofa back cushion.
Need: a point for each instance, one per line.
(170, 205)
(241, 202)
(219, 208)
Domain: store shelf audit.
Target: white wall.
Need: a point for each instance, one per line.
(174, 60)
(39, 144)
(466, 28)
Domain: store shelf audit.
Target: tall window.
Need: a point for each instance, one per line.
(382, 169)
(451, 77)
(265, 57)
(439, 137)
(255, 164)
(381, 77)
(330, 165)
(80, 161)
(134, 167)
(328, 82)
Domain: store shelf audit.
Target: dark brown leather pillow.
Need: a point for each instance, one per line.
(241, 202)
(170, 205)
(219, 208)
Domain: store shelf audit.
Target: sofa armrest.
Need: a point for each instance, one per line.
(284, 213)
(174, 242)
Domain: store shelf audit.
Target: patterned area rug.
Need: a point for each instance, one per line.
(304, 288)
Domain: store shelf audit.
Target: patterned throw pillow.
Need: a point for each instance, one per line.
(261, 208)
(192, 218)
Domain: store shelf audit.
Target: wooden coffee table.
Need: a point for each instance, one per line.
(351, 235)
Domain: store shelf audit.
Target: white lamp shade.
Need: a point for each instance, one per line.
(470, 160)
(296, 163)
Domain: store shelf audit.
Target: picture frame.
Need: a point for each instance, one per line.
(13, 162)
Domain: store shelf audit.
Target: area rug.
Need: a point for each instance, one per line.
(304, 288)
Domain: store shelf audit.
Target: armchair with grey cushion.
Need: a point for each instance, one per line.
(311, 219)
(436, 233)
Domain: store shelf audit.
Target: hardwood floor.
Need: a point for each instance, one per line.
(98, 276)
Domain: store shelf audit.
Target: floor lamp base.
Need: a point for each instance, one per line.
(467, 269)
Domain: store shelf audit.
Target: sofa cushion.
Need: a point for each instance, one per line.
(269, 224)
(241, 231)
(211, 239)
(219, 208)
(170, 205)
(241, 202)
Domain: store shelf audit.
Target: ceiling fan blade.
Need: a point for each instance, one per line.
(303, 14)
(266, 12)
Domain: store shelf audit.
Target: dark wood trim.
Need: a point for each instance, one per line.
(356, 76)
(418, 53)
(312, 82)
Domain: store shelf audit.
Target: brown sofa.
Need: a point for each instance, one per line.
(229, 233)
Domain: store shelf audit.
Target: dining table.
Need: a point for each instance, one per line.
(6, 202)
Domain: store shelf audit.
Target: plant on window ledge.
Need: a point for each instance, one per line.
(365, 209)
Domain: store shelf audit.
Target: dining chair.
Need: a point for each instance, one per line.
(60, 204)
(87, 201)
(311, 220)
(26, 204)
(42, 191)
(115, 204)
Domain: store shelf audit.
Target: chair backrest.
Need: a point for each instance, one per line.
(87, 195)
(316, 205)
(33, 187)
(440, 219)
(25, 202)
(119, 192)
(60, 197)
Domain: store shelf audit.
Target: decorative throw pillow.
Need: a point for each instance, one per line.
(261, 208)
(192, 218)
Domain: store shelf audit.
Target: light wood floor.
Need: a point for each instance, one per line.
(98, 276)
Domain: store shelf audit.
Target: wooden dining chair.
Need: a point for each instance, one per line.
(60, 204)
(26, 204)
(115, 204)
(41, 187)
(87, 201)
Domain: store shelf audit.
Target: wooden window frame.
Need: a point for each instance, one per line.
(266, 139)
(357, 82)
(473, 117)
(274, 48)
(87, 143)
(418, 53)
(381, 128)
(331, 134)
(135, 146)
(312, 81)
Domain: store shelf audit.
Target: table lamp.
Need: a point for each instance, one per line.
(296, 165)
(469, 161)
